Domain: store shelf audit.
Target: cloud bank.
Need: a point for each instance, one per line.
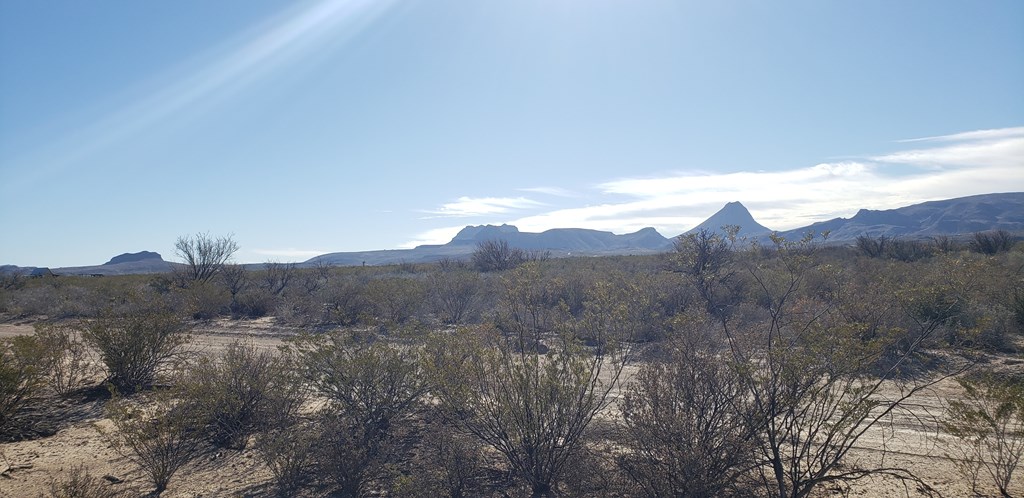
(930, 168)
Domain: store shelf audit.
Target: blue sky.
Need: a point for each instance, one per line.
(305, 127)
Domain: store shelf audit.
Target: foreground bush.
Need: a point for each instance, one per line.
(989, 429)
(78, 483)
(532, 408)
(685, 424)
(21, 374)
(66, 360)
(371, 388)
(160, 439)
(241, 391)
(135, 342)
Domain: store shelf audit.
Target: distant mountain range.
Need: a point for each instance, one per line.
(959, 216)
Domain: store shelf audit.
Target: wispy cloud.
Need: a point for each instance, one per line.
(993, 134)
(1002, 148)
(483, 206)
(435, 236)
(552, 191)
(956, 165)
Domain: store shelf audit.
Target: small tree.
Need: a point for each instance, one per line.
(705, 258)
(136, 342)
(497, 255)
(204, 256)
(873, 247)
(811, 380)
(989, 429)
(278, 276)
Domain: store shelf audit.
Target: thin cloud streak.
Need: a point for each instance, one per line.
(552, 191)
(482, 206)
(996, 133)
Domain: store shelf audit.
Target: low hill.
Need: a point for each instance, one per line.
(946, 217)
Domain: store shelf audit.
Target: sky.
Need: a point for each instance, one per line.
(305, 127)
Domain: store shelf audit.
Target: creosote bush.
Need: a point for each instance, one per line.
(686, 424)
(371, 386)
(988, 427)
(67, 359)
(241, 391)
(79, 483)
(136, 341)
(160, 438)
(22, 370)
(532, 407)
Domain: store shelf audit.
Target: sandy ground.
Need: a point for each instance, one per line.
(27, 467)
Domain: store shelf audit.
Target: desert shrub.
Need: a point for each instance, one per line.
(395, 300)
(908, 250)
(454, 294)
(206, 300)
(136, 341)
(872, 247)
(241, 391)
(497, 255)
(67, 362)
(991, 242)
(448, 463)
(809, 380)
(254, 303)
(288, 449)
(160, 438)
(684, 421)
(21, 374)
(79, 483)
(530, 407)
(371, 388)
(345, 302)
(988, 427)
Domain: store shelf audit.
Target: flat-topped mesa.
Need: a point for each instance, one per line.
(131, 257)
(479, 233)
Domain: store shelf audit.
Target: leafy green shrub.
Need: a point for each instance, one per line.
(136, 342)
